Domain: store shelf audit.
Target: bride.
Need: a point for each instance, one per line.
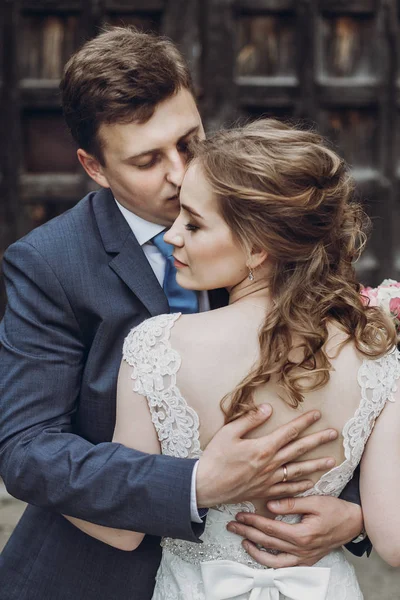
(266, 212)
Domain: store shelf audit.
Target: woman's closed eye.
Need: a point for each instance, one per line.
(191, 227)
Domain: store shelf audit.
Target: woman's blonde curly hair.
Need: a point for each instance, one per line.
(283, 189)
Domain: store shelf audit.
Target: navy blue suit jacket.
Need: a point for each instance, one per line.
(76, 286)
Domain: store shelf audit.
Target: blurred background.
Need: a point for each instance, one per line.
(332, 63)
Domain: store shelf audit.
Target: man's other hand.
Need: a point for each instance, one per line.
(327, 523)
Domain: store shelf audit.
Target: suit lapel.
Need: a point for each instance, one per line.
(127, 258)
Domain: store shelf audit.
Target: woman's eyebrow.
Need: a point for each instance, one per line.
(191, 211)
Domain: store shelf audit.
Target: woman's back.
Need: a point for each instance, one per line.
(219, 348)
(190, 362)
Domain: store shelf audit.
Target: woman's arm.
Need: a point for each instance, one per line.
(380, 484)
(133, 429)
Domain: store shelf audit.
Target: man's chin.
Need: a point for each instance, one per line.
(170, 216)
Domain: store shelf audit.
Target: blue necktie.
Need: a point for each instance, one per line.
(179, 299)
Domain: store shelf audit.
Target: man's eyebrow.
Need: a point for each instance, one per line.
(191, 211)
(155, 150)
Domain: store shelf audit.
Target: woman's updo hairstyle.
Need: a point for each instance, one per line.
(282, 189)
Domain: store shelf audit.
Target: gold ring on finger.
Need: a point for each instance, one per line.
(285, 477)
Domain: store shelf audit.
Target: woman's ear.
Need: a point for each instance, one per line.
(257, 258)
(92, 167)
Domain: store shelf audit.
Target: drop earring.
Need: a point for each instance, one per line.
(251, 275)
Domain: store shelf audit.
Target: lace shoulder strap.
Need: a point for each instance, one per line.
(378, 382)
(155, 364)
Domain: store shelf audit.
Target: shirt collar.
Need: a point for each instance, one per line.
(143, 230)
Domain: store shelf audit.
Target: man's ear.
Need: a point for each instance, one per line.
(92, 167)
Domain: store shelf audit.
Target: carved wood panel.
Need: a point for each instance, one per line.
(335, 65)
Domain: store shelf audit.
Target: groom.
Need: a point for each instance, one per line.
(76, 286)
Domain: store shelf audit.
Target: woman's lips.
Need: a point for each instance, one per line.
(178, 264)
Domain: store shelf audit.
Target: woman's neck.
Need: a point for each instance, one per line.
(255, 292)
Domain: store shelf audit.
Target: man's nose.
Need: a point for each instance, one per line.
(176, 169)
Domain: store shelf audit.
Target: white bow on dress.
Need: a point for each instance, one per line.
(225, 579)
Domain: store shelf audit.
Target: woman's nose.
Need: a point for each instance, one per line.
(173, 237)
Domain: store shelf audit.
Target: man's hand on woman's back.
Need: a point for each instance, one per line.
(233, 469)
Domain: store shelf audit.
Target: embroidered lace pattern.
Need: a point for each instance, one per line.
(155, 365)
(378, 381)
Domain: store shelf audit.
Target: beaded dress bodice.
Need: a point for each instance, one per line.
(155, 365)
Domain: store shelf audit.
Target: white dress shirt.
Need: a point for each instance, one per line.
(144, 232)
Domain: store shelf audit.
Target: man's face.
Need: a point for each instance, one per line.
(145, 163)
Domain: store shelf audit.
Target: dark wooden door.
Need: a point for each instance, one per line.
(332, 63)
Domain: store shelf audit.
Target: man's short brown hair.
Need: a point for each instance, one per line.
(119, 77)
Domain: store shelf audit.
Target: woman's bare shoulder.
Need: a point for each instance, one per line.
(219, 330)
(340, 346)
(202, 324)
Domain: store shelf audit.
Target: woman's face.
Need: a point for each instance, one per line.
(206, 254)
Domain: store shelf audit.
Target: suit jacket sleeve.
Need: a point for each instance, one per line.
(351, 493)
(42, 461)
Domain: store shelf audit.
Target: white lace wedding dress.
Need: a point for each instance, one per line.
(220, 563)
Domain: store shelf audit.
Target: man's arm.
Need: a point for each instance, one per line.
(42, 461)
